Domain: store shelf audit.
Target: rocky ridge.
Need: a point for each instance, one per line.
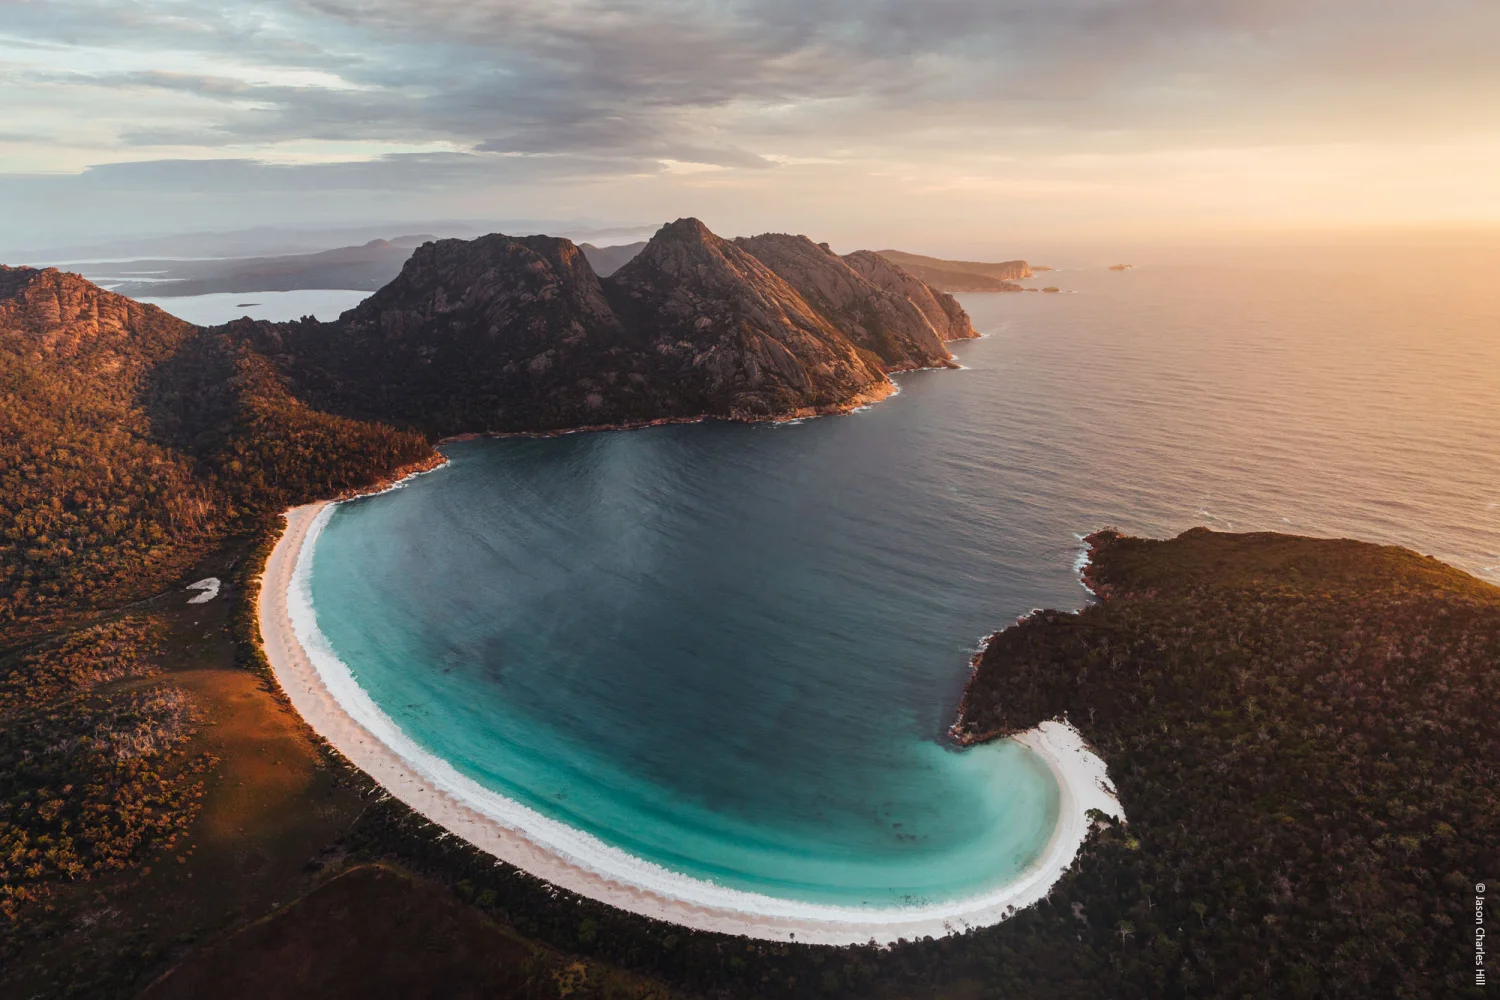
(884, 320)
(519, 334)
(941, 309)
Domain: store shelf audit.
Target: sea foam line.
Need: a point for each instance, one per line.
(591, 867)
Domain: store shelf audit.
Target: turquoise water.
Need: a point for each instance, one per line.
(733, 650)
(644, 636)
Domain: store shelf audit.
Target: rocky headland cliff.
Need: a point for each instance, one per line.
(896, 318)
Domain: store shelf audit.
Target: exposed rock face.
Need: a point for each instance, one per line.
(70, 316)
(498, 333)
(941, 309)
(883, 322)
(733, 333)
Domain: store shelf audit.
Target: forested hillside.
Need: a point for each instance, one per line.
(1302, 735)
(130, 441)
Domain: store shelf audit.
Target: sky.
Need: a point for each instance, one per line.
(929, 124)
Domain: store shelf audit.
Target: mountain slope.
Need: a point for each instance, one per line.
(941, 309)
(120, 460)
(746, 344)
(884, 322)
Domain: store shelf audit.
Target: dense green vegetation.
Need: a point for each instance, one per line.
(1300, 733)
(92, 774)
(130, 442)
(87, 497)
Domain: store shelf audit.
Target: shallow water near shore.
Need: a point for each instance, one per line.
(733, 650)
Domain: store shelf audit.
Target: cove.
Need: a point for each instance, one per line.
(728, 651)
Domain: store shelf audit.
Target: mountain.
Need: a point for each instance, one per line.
(129, 440)
(608, 260)
(882, 320)
(941, 309)
(961, 275)
(513, 334)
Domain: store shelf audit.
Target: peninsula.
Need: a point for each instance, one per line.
(1296, 728)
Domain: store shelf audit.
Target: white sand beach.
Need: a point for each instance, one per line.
(322, 690)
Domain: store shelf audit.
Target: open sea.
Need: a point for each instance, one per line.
(732, 651)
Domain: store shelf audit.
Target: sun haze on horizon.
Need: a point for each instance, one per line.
(961, 123)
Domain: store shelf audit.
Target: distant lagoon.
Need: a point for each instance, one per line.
(276, 307)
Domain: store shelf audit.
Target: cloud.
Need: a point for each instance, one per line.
(540, 91)
(678, 78)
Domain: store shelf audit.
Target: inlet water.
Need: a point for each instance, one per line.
(733, 650)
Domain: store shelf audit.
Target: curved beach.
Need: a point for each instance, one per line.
(321, 689)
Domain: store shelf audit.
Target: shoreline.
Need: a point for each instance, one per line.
(323, 692)
(859, 401)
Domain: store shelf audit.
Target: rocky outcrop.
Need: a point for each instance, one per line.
(887, 324)
(727, 329)
(941, 309)
(63, 314)
(497, 333)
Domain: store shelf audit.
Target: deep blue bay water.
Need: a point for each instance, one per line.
(733, 650)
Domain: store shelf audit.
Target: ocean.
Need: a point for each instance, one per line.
(732, 651)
